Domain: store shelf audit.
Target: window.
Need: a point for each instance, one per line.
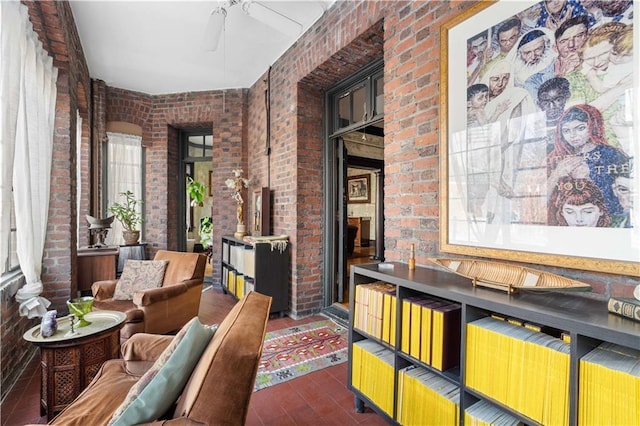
(199, 147)
(360, 102)
(123, 173)
(81, 223)
(12, 259)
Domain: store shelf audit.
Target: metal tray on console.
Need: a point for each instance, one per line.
(100, 321)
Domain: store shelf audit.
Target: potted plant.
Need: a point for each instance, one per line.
(206, 231)
(196, 192)
(129, 216)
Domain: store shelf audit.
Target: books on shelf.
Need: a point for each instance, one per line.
(225, 251)
(231, 281)
(375, 310)
(483, 413)
(249, 261)
(425, 398)
(445, 332)
(626, 306)
(237, 258)
(239, 289)
(225, 277)
(529, 370)
(430, 328)
(372, 373)
(249, 285)
(430, 331)
(609, 386)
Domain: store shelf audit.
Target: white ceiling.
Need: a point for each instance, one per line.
(156, 47)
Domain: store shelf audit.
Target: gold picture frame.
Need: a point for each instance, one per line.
(498, 213)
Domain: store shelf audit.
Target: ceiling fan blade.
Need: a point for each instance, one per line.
(213, 31)
(272, 18)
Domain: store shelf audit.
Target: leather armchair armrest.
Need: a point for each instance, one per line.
(144, 347)
(103, 290)
(192, 282)
(150, 296)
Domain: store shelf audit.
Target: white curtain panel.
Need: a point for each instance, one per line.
(124, 173)
(33, 141)
(11, 58)
(81, 221)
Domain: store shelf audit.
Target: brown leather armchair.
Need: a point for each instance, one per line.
(163, 309)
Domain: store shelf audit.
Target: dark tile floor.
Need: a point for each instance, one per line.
(319, 398)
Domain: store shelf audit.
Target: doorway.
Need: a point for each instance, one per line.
(197, 199)
(362, 205)
(354, 180)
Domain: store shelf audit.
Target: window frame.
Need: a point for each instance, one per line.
(105, 183)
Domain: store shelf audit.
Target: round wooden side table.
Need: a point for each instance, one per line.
(69, 362)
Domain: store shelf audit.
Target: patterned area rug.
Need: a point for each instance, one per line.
(296, 351)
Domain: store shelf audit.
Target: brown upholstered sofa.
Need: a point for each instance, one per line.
(163, 309)
(218, 390)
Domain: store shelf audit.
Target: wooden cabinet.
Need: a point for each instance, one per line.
(496, 366)
(96, 264)
(364, 227)
(261, 265)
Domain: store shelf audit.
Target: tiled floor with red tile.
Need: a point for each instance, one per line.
(318, 398)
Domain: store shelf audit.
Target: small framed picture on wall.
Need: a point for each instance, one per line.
(261, 212)
(359, 189)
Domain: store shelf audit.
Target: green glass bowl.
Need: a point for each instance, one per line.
(79, 307)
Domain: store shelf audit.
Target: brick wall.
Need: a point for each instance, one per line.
(161, 118)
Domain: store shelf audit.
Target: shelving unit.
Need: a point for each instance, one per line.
(586, 323)
(257, 266)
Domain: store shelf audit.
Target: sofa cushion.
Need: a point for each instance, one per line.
(139, 275)
(160, 386)
(228, 366)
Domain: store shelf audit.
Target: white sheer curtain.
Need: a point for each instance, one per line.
(11, 54)
(124, 173)
(33, 124)
(81, 221)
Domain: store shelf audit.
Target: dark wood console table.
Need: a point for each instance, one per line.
(95, 264)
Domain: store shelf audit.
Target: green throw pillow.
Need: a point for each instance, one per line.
(159, 388)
